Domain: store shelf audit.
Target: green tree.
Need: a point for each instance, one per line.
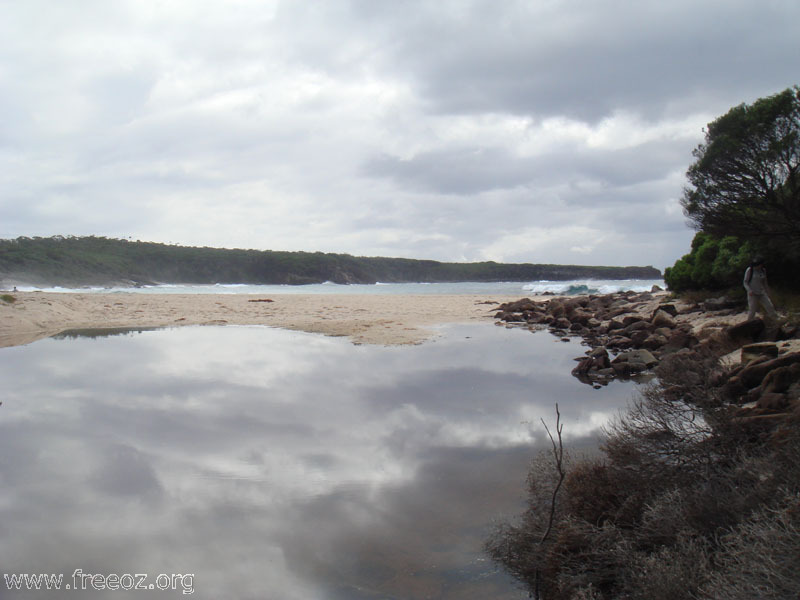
(745, 181)
(712, 264)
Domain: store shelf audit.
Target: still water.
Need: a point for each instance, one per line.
(277, 465)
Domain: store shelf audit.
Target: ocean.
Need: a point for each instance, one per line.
(512, 288)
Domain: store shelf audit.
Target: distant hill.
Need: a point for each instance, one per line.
(79, 261)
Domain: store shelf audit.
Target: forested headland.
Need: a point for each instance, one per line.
(91, 260)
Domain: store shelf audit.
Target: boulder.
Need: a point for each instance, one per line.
(638, 338)
(579, 316)
(641, 357)
(562, 323)
(510, 317)
(746, 332)
(661, 318)
(754, 373)
(670, 309)
(781, 379)
(583, 367)
(654, 341)
(619, 342)
(636, 326)
(556, 308)
(760, 349)
(520, 305)
(614, 324)
(679, 339)
(600, 356)
(626, 369)
(773, 401)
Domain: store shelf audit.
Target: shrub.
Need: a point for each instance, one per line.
(684, 503)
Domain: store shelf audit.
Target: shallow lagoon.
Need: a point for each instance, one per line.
(277, 464)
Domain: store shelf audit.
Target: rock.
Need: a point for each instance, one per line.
(663, 319)
(788, 331)
(780, 380)
(670, 309)
(638, 338)
(754, 373)
(614, 324)
(773, 401)
(679, 339)
(654, 341)
(721, 303)
(746, 332)
(636, 326)
(753, 351)
(619, 342)
(641, 356)
(519, 305)
(600, 357)
(583, 367)
(562, 323)
(579, 316)
(509, 317)
(733, 389)
(626, 369)
(556, 308)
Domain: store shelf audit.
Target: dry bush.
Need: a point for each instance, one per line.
(663, 441)
(685, 504)
(592, 492)
(518, 547)
(673, 572)
(761, 557)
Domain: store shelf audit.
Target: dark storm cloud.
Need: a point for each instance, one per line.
(587, 59)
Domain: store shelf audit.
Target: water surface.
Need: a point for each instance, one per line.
(277, 464)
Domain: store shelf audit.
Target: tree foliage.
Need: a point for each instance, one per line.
(745, 181)
(714, 263)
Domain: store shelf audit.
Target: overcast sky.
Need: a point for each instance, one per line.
(554, 131)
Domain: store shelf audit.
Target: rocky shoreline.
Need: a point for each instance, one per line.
(749, 365)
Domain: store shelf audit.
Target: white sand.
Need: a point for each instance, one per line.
(368, 319)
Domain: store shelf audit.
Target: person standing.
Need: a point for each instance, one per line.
(755, 282)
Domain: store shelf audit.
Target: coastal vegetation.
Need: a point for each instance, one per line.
(91, 260)
(696, 491)
(744, 196)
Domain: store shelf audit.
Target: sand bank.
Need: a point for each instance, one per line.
(365, 319)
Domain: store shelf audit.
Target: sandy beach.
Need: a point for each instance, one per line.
(365, 319)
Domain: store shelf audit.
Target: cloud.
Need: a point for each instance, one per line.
(432, 130)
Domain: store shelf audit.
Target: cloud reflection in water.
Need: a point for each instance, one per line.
(276, 464)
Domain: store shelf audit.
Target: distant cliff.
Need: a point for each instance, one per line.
(77, 261)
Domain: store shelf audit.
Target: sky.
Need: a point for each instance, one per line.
(543, 131)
